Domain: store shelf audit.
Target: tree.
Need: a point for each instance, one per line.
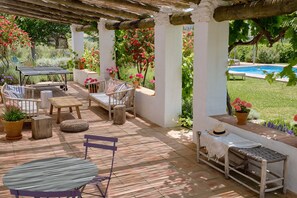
(41, 31)
(138, 47)
(11, 36)
(266, 30)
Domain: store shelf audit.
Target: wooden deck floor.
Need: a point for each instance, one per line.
(151, 161)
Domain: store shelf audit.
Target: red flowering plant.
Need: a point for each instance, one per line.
(112, 70)
(90, 60)
(241, 106)
(11, 36)
(139, 47)
(89, 80)
(137, 77)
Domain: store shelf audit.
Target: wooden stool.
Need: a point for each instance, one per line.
(119, 114)
(41, 127)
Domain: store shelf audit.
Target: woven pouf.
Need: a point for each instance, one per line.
(74, 126)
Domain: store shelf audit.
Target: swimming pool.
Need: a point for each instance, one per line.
(258, 69)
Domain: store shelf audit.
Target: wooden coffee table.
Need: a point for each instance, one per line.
(62, 102)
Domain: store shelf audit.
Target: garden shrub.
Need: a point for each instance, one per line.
(267, 55)
(186, 118)
(285, 51)
(50, 62)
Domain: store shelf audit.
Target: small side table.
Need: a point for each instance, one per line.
(119, 114)
(41, 127)
(45, 95)
(64, 102)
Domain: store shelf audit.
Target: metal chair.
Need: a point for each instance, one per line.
(97, 181)
(36, 194)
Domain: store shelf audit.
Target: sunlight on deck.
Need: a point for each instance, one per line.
(151, 161)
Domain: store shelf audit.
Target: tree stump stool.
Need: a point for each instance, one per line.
(74, 126)
(119, 114)
(41, 127)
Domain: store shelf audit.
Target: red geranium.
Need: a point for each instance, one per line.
(241, 105)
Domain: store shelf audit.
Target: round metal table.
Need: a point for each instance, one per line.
(51, 175)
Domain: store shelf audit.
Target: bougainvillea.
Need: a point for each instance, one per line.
(139, 45)
(11, 37)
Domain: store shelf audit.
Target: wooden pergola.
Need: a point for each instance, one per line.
(125, 14)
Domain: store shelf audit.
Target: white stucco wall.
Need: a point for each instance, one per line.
(77, 41)
(106, 48)
(210, 64)
(165, 107)
(210, 50)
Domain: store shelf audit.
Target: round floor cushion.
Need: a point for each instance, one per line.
(74, 126)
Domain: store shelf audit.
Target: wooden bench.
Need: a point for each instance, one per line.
(257, 157)
(108, 94)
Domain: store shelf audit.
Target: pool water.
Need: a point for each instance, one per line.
(258, 69)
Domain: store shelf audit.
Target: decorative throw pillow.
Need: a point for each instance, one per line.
(16, 91)
(110, 86)
(119, 88)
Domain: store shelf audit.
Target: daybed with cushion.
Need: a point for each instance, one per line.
(110, 93)
(21, 97)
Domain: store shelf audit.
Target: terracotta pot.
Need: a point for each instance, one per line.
(112, 75)
(136, 84)
(81, 66)
(13, 129)
(241, 118)
(93, 88)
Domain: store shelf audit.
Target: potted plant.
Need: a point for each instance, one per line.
(242, 109)
(13, 120)
(112, 71)
(89, 84)
(136, 79)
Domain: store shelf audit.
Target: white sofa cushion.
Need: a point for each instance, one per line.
(28, 107)
(103, 98)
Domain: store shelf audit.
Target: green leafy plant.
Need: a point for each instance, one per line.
(13, 114)
(281, 125)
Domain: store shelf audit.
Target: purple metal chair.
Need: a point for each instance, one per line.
(100, 178)
(35, 194)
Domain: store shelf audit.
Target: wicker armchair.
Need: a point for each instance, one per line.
(21, 97)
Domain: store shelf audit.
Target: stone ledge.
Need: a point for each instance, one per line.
(260, 130)
(145, 91)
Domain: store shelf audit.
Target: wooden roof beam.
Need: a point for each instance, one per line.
(261, 9)
(134, 4)
(41, 15)
(100, 10)
(73, 10)
(45, 10)
(9, 11)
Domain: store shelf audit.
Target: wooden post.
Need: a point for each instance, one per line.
(119, 115)
(41, 127)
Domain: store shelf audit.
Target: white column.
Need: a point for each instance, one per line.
(106, 48)
(77, 41)
(168, 60)
(210, 64)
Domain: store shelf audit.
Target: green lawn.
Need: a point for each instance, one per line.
(271, 101)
